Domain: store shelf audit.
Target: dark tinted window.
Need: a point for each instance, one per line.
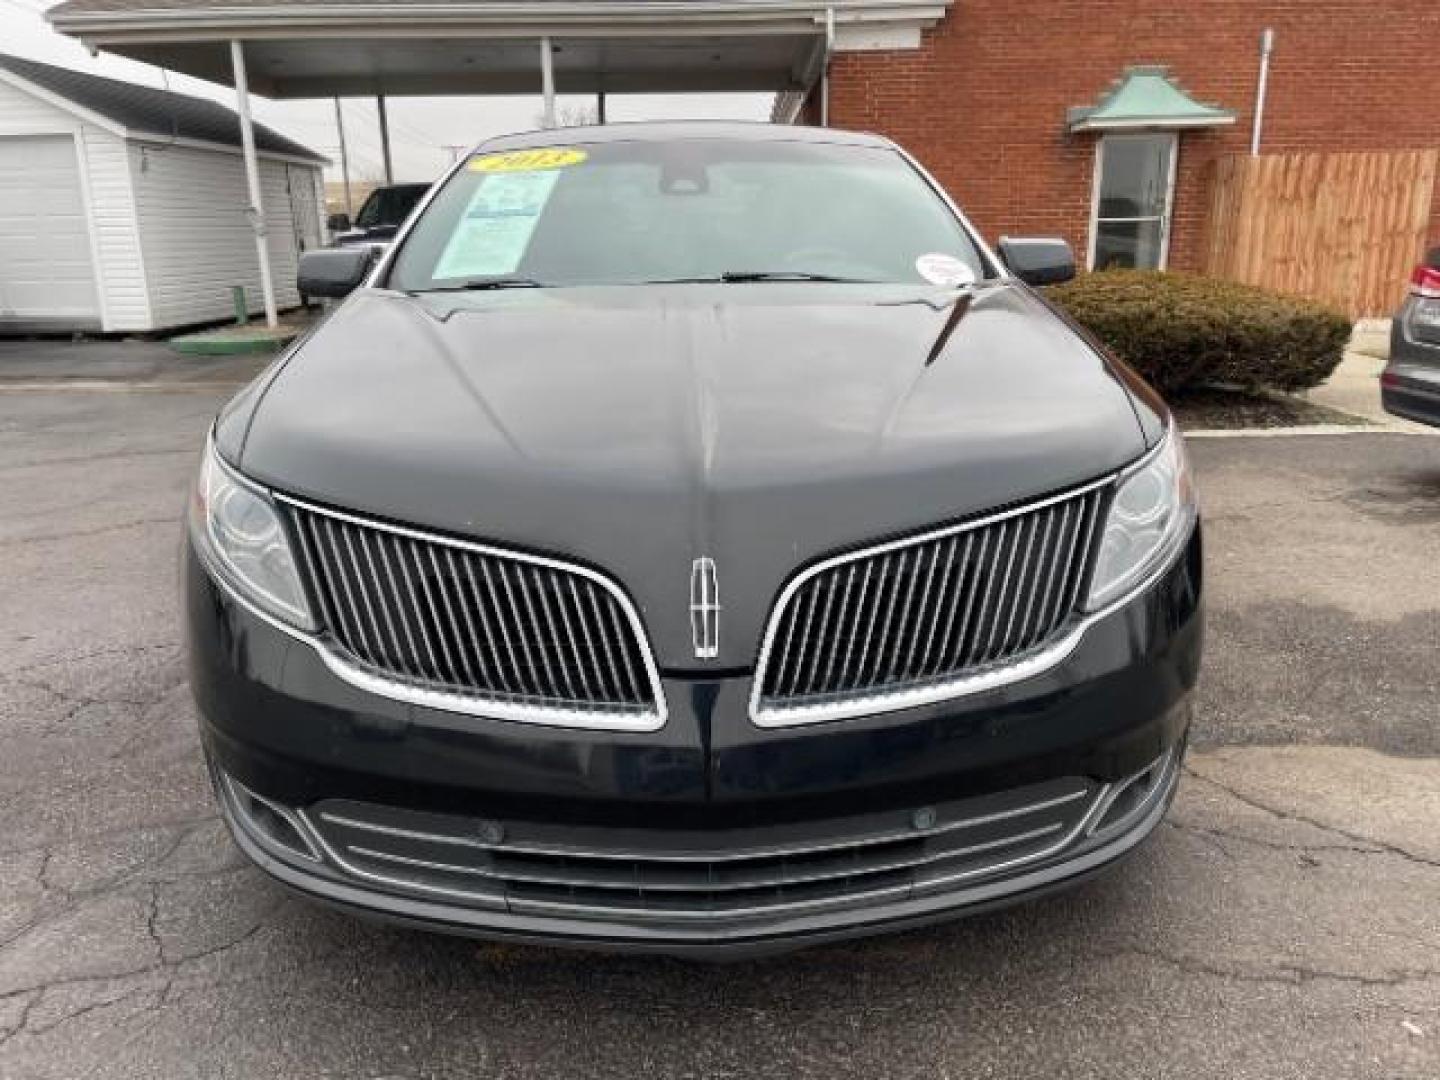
(389, 206)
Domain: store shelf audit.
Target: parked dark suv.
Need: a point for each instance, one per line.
(691, 537)
(381, 215)
(1410, 383)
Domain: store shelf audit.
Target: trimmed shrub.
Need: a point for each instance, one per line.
(1182, 330)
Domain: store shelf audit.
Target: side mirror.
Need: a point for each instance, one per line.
(334, 272)
(338, 223)
(1038, 260)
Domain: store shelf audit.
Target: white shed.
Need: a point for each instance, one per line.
(120, 205)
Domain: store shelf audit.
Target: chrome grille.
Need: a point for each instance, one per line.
(713, 875)
(926, 611)
(509, 635)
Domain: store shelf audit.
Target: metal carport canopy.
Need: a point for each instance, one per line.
(324, 48)
(333, 48)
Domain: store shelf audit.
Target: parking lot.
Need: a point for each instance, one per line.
(1284, 922)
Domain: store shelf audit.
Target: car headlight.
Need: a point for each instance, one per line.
(1150, 518)
(247, 539)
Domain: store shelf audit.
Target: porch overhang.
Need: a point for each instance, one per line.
(1146, 97)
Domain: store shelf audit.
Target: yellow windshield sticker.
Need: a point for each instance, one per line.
(548, 157)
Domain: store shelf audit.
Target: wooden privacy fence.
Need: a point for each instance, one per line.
(1346, 229)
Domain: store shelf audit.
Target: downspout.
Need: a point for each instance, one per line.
(825, 67)
(1267, 46)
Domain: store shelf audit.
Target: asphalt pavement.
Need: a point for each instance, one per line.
(1284, 922)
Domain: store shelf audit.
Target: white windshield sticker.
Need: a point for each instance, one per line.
(946, 270)
(497, 225)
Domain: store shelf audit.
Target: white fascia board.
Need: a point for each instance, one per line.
(157, 141)
(648, 17)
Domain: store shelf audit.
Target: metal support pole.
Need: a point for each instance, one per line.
(255, 211)
(600, 106)
(385, 138)
(825, 70)
(547, 82)
(344, 159)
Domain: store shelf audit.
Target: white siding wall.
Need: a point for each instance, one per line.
(195, 237)
(120, 276)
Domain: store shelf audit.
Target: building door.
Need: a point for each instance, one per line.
(1134, 190)
(304, 208)
(47, 278)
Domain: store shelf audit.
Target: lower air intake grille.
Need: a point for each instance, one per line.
(653, 875)
(520, 636)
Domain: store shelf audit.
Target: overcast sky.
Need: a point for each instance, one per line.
(420, 128)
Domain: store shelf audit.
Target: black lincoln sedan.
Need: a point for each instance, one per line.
(692, 538)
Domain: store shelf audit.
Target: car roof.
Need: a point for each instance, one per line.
(668, 130)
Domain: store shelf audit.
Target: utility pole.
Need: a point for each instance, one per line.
(385, 138)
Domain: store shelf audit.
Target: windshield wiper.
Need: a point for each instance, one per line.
(741, 276)
(478, 284)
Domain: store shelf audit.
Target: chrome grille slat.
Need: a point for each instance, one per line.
(943, 606)
(354, 607)
(1062, 542)
(771, 877)
(957, 656)
(474, 628)
(394, 613)
(724, 855)
(597, 872)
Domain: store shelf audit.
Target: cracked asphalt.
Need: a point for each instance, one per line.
(1284, 922)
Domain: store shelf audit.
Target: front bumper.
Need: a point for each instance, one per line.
(730, 837)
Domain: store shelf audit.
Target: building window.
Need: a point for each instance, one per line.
(1134, 192)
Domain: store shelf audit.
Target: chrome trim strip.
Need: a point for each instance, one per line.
(776, 879)
(823, 902)
(717, 857)
(1083, 829)
(233, 787)
(598, 718)
(884, 701)
(495, 900)
(1166, 764)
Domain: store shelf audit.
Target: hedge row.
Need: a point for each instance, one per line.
(1181, 330)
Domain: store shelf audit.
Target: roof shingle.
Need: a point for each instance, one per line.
(149, 110)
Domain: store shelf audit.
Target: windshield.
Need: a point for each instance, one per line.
(389, 207)
(691, 209)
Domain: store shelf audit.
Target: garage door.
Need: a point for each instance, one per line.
(46, 278)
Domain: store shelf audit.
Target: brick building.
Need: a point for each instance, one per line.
(985, 100)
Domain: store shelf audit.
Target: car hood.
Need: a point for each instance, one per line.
(638, 429)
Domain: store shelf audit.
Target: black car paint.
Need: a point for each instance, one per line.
(633, 430)
(281, 722)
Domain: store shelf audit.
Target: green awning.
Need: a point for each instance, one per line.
(1147, 97)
